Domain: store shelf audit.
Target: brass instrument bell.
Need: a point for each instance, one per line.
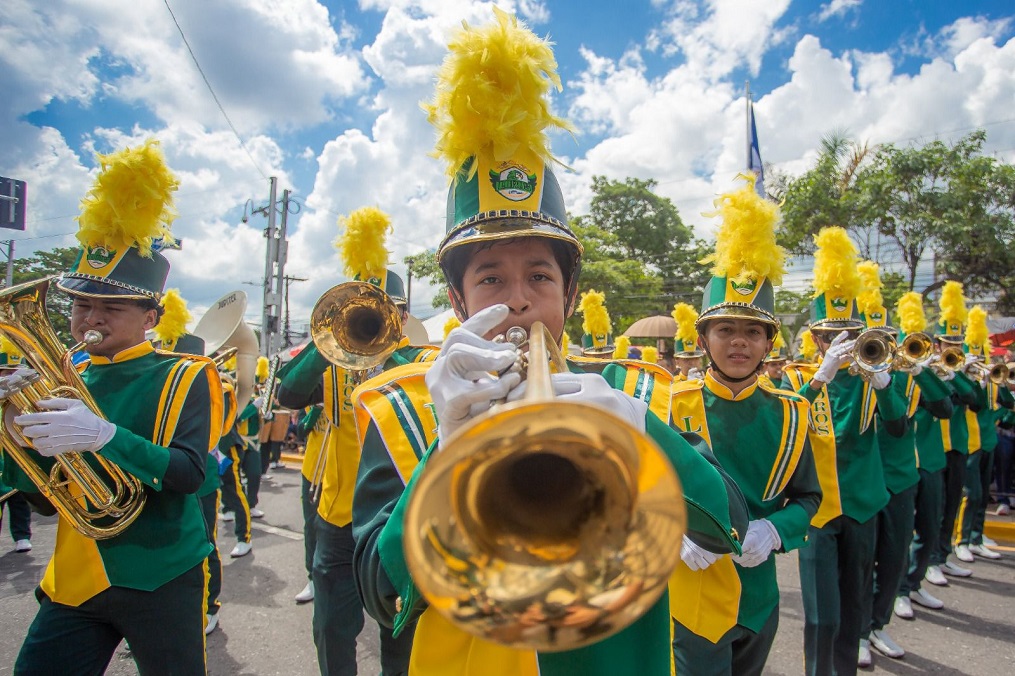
(356, 326)
(875, 351)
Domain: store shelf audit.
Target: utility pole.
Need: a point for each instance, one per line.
(286, 330)
(9, 280)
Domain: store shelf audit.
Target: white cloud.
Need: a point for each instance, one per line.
(837, 8)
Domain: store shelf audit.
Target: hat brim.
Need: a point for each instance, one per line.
(491, 226)
(90, 288)
(736, 311)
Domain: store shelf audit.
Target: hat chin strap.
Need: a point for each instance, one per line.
(713, 365)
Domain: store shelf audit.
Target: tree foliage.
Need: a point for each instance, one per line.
(44, 264)
(423, 266)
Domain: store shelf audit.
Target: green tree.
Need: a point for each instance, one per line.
(423, 266)
(44, 264)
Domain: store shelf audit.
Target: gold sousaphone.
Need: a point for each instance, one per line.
(94, 495)
(544, 524)
(225, 332)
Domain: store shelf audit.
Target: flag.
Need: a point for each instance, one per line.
(753, 152)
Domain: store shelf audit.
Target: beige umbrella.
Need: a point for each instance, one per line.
(658, 326)
(414, 330)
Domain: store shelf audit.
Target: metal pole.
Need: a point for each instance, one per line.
(408, 291)
(271, 254)
(10, 264)
(747, 118)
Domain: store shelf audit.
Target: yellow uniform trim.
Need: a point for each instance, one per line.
(77, 564)
(707, 602)
(688, 413)
(441, 649)
(823, 446)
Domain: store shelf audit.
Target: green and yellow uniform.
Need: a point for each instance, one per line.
(760, 437)
(982, 429)
(398, 428)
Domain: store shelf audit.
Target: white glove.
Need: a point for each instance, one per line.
(14, 382)
(460, 380)
(695, 374)
(880, 380)
(970, 359)
(695, 557)
(761, 539)
(592, 389)
(837, 354)
(65, 425)
(258, 403)
(916, 369)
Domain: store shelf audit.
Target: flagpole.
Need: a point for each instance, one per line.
(747, 121)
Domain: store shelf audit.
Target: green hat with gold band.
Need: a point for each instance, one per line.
(870, 302)
(364, 254)
(685, 340)
(491, 114)
(747, 262)
(952, 320)
(836, 282)
(597, 339)
(124, 219)
(778, 351)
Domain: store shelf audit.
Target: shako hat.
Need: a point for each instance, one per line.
(952, 320)
(597, 339)
(836, 282)
(685, 341)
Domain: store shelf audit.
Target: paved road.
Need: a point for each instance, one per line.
(263, 631)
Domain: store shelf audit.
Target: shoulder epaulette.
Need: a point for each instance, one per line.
(687, 385)
(779, 392)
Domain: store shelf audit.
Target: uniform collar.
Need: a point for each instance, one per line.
(723, 392)
(139, 350)
(404, 342)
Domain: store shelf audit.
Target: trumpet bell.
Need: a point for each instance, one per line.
(875, 351)
(545, 525)
(356, 326)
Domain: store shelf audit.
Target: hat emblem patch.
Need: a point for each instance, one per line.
(840, 304)
(100, 256)
(513, 181)
(745, 289)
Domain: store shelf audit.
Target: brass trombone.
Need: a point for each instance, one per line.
(543, 524)
(94, 495)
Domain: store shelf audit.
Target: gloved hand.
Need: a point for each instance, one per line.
(258, 403)
(880, 380)
(760, 541)
(14, 382)
(592, 389)
(695, 374)
(946, 375)
(65, 425)
(695, 557)
(837, 354)
(917, 368)
(460, 380)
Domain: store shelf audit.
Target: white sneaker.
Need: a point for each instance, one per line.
(213, 621)
(988, 542)
(922, 597)
(255, 513)
(962, 553)
(935, 576)
(955, 570)
(228, 516)
(307, 595)
(23, 546)
(864, 656)
(241, 549)
(884, 644)
(267, 476)
(1002, 510)
(982, 551)
(903, 608)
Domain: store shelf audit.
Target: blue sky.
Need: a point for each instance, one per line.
(325, 96)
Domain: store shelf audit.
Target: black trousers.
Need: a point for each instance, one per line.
(740, 651)
(1004, 462)
(954, 481)
(338, 611)
(974, 505)
(926, 529)
(250, 463)
(309, 527)
(210, 510)
(835, 577)
(891, 551)
(164, 629)
(20, 515)
(234, 499)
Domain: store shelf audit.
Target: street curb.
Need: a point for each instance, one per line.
(294, 458)
(1000, 530)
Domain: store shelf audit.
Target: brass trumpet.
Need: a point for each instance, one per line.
(950, 359)
(543, 524)
(94, 495)
(875, 351)
(916, 349)
(997, 373)
(1010, 382)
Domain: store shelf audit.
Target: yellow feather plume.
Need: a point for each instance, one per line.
(952, 304)
(911, 316)
(131, 201)
(650, 354)
(261, 370)
(808, 348)
(622, 348)
(779, 341)
(977, 333)
(450, 326)
(835, 264)
(491, 93)
(361, 244)
(685, 315)
(869, 299)
(8, 348)
(174, 321)
(230, 364)
(595, 319)
(565, 342)
(745, 245)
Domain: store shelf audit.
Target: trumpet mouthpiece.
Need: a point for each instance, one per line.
(92, 337)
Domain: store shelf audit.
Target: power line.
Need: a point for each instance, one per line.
(213, 95)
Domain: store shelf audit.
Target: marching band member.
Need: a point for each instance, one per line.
(161, 416)
(759, 435)
(231, 447)
(836, 568)
(686, 353)
(894, 525)
(982, 426)
(597, 339)
(19, 512)
(316, 427)
(509, 260)
(309, 379)
(775, 361)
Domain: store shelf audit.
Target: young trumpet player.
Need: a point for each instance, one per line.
(510, 260)
(758, 433)
(161, 414)
(836, 567)
(311, 379)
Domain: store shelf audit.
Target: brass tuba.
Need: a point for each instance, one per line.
(875, 351)
(543, 524)
(222, 328)
(94, 495)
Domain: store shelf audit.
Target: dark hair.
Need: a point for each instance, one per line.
(152, 304)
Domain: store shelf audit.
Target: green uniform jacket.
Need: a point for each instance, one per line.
(387, 473)
(983, 424)
(955, 430)
(899, 457)
(930, 449)
(843, 430)
(760, 438)
(167, 409)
